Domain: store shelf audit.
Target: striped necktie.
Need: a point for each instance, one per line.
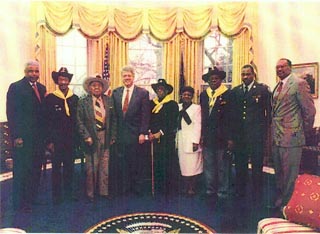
(98, 114)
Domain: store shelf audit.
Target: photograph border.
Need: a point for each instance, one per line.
(303, 69)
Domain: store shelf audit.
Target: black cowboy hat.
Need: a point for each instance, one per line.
(163, 83)
(63, 71)
(215, 71)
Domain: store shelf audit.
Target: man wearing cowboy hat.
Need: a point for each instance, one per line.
(97, 128)
(163, 127)
(216, 133)
(61, 137)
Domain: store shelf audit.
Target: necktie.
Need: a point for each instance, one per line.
(245, 90)
(279, 87)
(126, 103)
(35, 88)
(98, 114)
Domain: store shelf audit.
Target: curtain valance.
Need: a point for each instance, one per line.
(95, 19)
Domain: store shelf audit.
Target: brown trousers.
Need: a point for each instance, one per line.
(98, 170)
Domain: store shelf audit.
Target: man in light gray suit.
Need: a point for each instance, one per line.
(293, 118)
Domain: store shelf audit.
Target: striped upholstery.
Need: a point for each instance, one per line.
(278, 225)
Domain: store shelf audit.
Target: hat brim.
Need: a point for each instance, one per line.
(89, 80)
(168, 87)
(55, 76)
(205, 77)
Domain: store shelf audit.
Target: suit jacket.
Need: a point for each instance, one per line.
(86, 122)
(24, 111)
(251, 113)
(293, 113)
(136, 120)
(216, 129)
(191, 133)
(165, 120)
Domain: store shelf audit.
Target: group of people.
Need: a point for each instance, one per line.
(184, 139)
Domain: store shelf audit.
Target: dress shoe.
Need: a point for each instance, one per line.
(40, 203)
(90, 199)
(104, 197)
(26, 209)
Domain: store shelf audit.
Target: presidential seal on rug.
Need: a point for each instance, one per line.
(150, 223)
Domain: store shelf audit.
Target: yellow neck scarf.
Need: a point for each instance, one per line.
(159, 105)
(217, 93)
(60, 94)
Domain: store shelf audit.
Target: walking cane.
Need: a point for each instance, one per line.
(92, 167)
(152, 166)
(152, 170)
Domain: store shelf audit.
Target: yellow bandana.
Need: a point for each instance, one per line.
(60, 94)
(159, 105)
(217, 93)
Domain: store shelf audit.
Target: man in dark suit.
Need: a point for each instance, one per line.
(293, 115)
(132, 109)
(251, 112)
(25, 118)
(215, 133)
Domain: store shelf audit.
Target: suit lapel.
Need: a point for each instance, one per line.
(90, 107)
(283, 92)
(132, 99)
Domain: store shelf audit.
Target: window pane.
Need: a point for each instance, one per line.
(218, 52)
(145, 55)
(72, 54)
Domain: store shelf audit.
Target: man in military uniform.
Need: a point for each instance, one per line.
(252, 108)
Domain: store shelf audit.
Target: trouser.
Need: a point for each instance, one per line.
(255, 152)
(286, 164)
(215, 173)
(26, 173)
(62, 176)
(97, 168)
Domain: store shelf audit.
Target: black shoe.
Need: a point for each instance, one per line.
(40, 203)
(90, 199)
(105, 197)
(56, 201)
(26, 209)
(71, 198)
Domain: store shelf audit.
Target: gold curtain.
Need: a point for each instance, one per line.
(95, 19)
(46, 55)
(181, 29)
(231, 17)
(242, 54)
(118, 50)
(171, 61)
(193, 51)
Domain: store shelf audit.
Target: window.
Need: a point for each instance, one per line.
(218, 52)
(72, 54)
(145, 55)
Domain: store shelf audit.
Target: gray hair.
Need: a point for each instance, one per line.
(31, 63)
(128, 69)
